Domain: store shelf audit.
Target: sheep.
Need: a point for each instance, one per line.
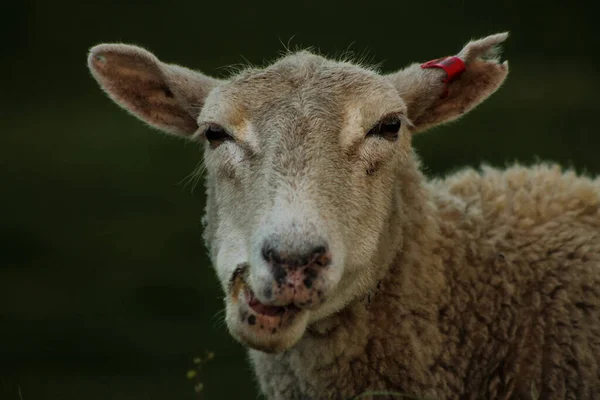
(345, 270)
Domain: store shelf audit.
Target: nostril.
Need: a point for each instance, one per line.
(267, 253)
(272, 256)
(319, 251)
(319, 256)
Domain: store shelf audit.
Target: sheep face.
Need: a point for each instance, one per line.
(304, 162)
(301, 159)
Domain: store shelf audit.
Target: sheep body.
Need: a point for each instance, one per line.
(496, 294)
(344, 269)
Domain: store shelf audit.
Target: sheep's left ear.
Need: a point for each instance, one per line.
(443, 90)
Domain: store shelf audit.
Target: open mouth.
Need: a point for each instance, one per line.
(256, 314)
(269, 320)
(266, 310)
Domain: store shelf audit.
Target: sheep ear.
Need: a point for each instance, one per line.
(435, 95)
(168, 97)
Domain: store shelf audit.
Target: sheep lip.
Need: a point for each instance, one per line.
(267, 328)
(267, 310)
(238, 286)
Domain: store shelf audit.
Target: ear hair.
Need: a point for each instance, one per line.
(487, 49)
(166, 96)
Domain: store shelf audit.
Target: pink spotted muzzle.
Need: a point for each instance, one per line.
(297, 283)
(298, 279)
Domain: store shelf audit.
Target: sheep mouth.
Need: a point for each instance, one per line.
(267, 318)
(266, 310)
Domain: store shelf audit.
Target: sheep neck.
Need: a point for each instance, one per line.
(398, 311)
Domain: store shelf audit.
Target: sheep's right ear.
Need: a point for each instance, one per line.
(168, 97)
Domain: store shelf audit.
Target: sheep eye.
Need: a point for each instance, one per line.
(387, 128)
(216, 135)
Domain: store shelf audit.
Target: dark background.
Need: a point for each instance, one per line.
(105, 289)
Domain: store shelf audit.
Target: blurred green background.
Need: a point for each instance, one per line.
(105, 289)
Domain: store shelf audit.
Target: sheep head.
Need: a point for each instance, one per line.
(302, 159)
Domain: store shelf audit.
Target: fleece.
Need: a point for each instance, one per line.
(494, 294)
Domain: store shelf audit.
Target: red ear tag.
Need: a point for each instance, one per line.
(453, 66)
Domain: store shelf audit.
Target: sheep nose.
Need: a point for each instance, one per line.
(299, 277)
(317, 257)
